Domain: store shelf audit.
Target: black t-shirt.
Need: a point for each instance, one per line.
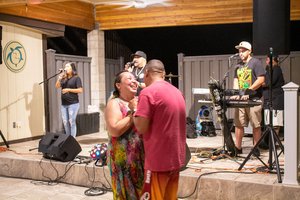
(138, 73)
(277, 91)
(70, 98)
(247, 74)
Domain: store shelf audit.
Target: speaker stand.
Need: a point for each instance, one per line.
(272, 149)
(4, 140)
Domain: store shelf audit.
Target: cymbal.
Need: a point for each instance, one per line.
(170, 75)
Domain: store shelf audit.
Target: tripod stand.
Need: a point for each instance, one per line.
(272, 133)
(4, 140)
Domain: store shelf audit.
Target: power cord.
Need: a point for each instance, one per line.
(97, 191)
(209, 173)
(92, 191)
(58, 178)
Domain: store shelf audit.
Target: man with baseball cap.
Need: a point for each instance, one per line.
(249, 74)
(139, 60)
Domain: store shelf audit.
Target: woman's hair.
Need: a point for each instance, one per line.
(275, 58)
(118, 77)
(73, 66)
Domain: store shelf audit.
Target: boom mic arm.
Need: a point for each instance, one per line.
(235, 55)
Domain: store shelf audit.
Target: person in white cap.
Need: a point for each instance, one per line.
(249, 74)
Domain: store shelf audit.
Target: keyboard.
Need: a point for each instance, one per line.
(242, 103)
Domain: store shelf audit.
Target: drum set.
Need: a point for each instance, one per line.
(170, 76)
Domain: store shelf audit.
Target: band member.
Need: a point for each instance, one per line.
(277, 98)
(249, 74)
(71, 86)
(136, 67)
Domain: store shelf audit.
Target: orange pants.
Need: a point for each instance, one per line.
(160, 185)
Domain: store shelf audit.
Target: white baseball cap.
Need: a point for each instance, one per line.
(245, 45)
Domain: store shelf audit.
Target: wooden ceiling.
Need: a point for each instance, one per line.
(86, 13)
(72, 13)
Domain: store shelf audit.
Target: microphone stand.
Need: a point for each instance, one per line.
(224, 151)
(224, 118)
(46, 80)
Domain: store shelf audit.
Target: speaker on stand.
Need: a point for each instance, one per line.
(58, 146)
(271, 26)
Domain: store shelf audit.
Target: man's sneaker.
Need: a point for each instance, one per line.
(238, 151)
(256, 152)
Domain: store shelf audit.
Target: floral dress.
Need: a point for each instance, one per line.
(126, 162)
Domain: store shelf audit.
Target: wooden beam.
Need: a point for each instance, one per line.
(71, 13)
(48, 28)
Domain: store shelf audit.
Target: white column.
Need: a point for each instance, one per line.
(291, 133)
(96, 52)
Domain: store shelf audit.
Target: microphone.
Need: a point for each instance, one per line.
(271, 50)
(235, 55)
(132, 63)
(61, 70)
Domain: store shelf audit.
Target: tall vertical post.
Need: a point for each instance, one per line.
(291, 119)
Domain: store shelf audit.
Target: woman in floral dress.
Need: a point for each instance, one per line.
(125, 148)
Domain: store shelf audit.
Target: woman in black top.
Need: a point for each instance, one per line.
(71, 85)
(277, 94)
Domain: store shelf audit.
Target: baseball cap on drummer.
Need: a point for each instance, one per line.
(245, 45)
(140, 54)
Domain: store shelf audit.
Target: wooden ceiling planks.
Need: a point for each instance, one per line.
(184, 12)
(295, 10)
(83, 14)
(72, 13)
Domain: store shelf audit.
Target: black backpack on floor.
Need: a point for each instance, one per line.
(190, 128)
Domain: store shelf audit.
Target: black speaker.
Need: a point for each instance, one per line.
(271, 26)
(58, 146)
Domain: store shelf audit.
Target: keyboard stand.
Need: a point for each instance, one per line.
(3, 138)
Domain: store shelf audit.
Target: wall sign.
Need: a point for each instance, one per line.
(14, 56)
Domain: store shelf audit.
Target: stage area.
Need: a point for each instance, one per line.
(205, 177)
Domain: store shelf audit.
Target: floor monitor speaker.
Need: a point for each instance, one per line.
(58, 146)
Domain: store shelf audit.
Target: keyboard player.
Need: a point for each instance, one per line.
(249, 74)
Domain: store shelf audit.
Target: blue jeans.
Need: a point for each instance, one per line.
(69, 113)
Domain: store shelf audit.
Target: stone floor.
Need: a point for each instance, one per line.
(204, 178)
(21, 189)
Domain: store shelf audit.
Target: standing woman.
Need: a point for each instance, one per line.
(71, 85)
(277, 94)
(125, 148)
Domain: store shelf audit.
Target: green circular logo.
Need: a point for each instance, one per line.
(14, 56)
